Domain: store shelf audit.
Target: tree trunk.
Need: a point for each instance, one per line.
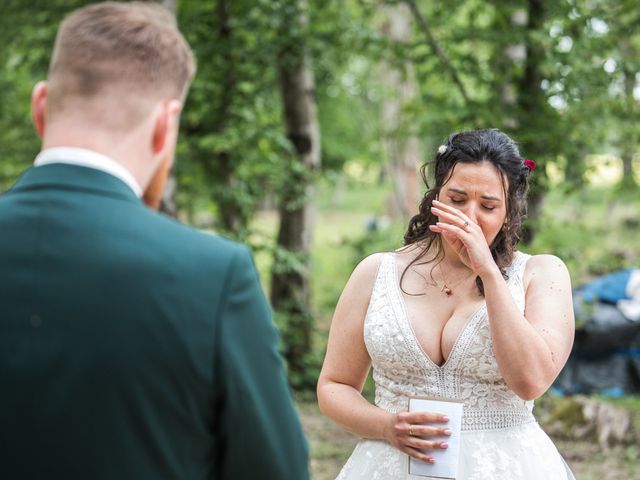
(231, 218)
(629, 135)
(512, 54)
(531, 98)
(402, 146)
(290, 295)
(575, 167)
(627, 166)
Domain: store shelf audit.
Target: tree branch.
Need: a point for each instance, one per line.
(422, 23)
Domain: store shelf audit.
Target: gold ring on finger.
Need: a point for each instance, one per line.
(466, 224)
(411, 430)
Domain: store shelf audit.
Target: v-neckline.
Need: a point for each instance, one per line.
(405, 315)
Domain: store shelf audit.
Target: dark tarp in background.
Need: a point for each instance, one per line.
(606, 354)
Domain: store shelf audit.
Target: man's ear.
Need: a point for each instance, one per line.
(165, 133)
(166, 125)
(152, 196)
(39, 107)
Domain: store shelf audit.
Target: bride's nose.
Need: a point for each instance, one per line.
(471, 211)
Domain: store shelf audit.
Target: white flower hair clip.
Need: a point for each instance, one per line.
(442, 149)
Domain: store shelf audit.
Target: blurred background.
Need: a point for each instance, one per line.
(304, 132)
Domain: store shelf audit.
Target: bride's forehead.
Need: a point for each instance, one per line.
(484, 171)
(477, 168)
(477, 176)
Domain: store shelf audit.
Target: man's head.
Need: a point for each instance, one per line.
(119, 73)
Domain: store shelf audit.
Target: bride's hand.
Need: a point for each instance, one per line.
(464, 236)
(406, 432)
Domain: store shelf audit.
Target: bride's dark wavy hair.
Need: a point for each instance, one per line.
(475, 146)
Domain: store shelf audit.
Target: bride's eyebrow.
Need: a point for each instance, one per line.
(491, 197)
(485, 197)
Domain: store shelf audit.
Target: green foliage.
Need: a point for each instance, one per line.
(573, 94)
(27, 32)
(377, 240)
(233, 152)
(232, 147)
(564, 410)
(292, 321)
(593, 230)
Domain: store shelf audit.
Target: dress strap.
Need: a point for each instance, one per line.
(379, 284)
(516, 278)
(517, 267)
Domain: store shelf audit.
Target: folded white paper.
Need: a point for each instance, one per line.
(446, 461)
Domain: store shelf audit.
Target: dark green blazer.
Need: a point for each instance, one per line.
(131, 346)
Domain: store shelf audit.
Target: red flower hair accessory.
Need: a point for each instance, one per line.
(530, 164)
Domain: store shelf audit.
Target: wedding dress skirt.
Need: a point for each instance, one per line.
(500, 438)
(513, 453)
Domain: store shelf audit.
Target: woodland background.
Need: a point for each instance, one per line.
(308, 120)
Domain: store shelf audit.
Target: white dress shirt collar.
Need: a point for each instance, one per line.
(88, 158)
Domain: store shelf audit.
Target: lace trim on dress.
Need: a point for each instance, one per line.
(401, 368)
(475, 419)
(501, 439)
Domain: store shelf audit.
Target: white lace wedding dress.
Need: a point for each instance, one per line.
(500, 439)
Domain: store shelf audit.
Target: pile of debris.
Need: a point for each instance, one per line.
(582, 418)
(605, 357)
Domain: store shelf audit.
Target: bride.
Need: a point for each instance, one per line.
(458, 313)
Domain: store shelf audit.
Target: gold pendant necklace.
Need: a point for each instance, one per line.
(447, 288)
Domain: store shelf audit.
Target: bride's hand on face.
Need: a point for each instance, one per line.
(465, 237)
(407, 433)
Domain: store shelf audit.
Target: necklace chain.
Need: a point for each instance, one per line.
(447, 288)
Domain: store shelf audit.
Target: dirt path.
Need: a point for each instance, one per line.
(331, 446)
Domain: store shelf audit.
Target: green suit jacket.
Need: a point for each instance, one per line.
(131, 346)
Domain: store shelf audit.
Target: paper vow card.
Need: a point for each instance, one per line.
(446, 465)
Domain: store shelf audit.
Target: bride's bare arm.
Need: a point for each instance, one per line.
(345, 370)
(531, 349)
(347, 362)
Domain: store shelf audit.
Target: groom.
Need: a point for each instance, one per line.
(131, 347)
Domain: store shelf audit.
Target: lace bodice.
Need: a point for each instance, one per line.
(401, 369)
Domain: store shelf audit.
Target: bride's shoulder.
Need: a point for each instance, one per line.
(545, 267)
(366, 271)
(369, 265)
(543, 261)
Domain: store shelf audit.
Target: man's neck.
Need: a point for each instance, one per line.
(122, 151)
(90, 159)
